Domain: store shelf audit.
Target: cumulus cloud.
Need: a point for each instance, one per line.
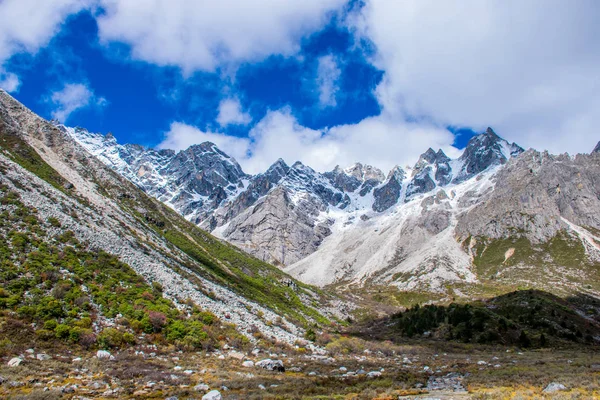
(28, 25)
(381, 141)
(530, 69)
(230, 113)
(9, 81)
(205, 35)
(73, 97)
(328, 74)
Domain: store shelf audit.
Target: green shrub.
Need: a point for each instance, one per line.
(50, 324)
(62, 331)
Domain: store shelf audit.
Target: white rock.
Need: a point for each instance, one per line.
(237, 355)
(373, 374)
(212, 395)
(77, 359)
(271, 365)
(262, 387)
(248, 364)
(15, 362)
(29, 351)
(554, 387)
(103, 355)
(188, 372)
(343, 369)
(201, 387)
(43, 357)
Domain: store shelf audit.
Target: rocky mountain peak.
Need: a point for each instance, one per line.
(364, 172)
(429, 156)
(396, 173)
(483, 151)
(597, 148)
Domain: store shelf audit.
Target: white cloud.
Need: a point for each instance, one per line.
(381, 141)
(181, 136)
(28, 25)
(73, 97)
(204, 35)
(230, 113)
(530, 69)
(328, 74)
(9, 81)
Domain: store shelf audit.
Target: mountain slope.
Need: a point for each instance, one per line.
(49, 172)
(526, 319)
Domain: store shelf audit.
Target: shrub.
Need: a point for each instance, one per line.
(50, 324)
(110, 337)
(62, 331)
(54, 222)
(310, 335)
(157, 319)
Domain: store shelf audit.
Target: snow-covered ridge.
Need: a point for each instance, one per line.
(296, 216)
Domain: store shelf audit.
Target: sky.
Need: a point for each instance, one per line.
(325, 82)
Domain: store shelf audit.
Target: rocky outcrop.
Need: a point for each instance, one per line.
(279, 230)
(597, 148)
(482, 152)
(433, 169)
(388, 194)
(533, 195)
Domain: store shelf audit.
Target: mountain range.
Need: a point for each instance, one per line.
(497, 216)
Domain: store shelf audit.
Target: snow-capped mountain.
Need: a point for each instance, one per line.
(194, 182)
(414, 228)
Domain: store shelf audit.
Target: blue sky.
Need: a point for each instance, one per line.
(325, 82)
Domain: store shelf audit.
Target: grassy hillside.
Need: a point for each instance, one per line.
(53, 287)
(527, 318)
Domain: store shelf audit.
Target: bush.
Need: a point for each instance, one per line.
(50, 324)
(310, 335)
(110, 337)
(62, 331)
(157, 319)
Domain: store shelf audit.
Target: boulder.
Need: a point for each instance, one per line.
(212, 395)
(271, 365)
(43, 357)
(15, 362)
(237, 355)
(201, 387)
(103, 355)
(554, 387)
(248, 364)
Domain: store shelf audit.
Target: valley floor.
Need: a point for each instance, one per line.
(420, 370)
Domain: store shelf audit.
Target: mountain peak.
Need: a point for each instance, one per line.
(597, 148)
(364, 172)
(485, 150)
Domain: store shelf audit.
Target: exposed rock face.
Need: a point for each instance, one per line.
(357, 176)
(597, 148)
(388, 194)
(484, 151)
(534, 194)
(278, 230)
(433, 169)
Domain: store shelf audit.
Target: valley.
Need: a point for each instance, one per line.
(133, 273)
